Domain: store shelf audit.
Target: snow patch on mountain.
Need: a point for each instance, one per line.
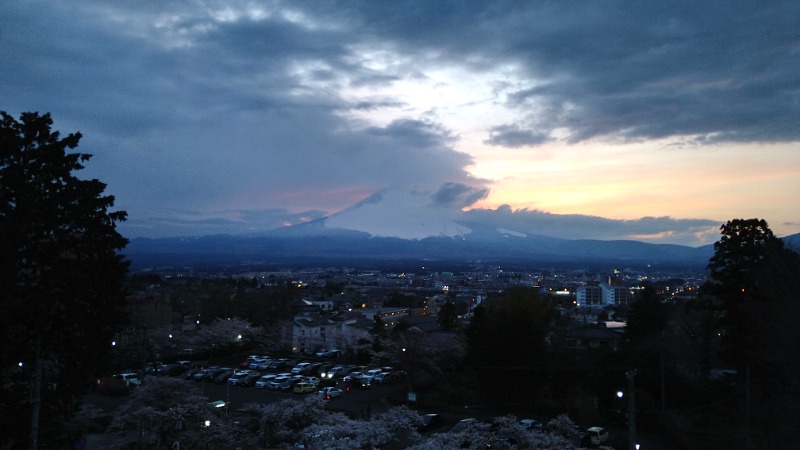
(406, 214)
(507, 232)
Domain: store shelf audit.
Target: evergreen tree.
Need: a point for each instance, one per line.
(744, 265)
(447, 317)
(61, 277)
(506, 340)
(756, 283)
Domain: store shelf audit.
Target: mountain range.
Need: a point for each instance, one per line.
(376, 231)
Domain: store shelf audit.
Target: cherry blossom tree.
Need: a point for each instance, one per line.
(167, 410)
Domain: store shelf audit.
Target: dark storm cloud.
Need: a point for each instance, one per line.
(514, 136)
(457, 194)
(414, 133)
(631, 70)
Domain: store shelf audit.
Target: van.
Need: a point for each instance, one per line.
(597, 435)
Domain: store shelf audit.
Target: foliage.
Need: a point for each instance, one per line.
(60, 273)
(378, 325)
(505, 432)
(418, 352)
(447, 317)
(345, 433)
(306, 423)
(749, 262)
(506, 340)
(165, 410)
(755, 282)
(647, 317)
(283, 422)
(224, 334)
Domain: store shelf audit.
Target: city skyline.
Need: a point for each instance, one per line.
(621, 120)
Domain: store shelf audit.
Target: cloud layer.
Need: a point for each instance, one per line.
(240, 116)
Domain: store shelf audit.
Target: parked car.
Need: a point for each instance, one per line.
(596, 435)
(330, 353)
(363, 382)
(252, 378)
(112, 386)
(465, 424)
(279, 363)
(172, 369)
(255, 363)
(383, 377)
(332, 372)
(303, 388)
(429, 421)
(330, 392)
(288, 385)
(265, 365)
(221, 377)
(372, 372)
(239, 378)
(352, 375)
(130, 379)
(263, 382)
(301, 368)
(276, 383)
(189, 374)
(205, 374)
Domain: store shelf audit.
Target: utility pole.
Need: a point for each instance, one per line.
(36, 396)
(631, 409)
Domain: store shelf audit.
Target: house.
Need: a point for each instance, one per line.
(312, 332)
(592, 337)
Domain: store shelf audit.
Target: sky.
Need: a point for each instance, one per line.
(655, 121)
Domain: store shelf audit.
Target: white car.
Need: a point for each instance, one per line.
(301, 368)
(330, 392)
(263, 382)
(276, 383)
(130, 379)
(255, 363)
(352, 376)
